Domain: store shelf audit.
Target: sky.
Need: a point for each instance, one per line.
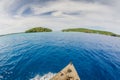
(20, 15)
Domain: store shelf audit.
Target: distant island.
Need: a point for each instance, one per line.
(90, 31)
(38, 29)
(85, 30)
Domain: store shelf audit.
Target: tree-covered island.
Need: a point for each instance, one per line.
(90, 31)
(85, 30)
(38, 29)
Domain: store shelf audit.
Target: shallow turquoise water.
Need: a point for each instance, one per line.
(23, 56)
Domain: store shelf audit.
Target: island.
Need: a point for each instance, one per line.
(38, 29)
(90, 31)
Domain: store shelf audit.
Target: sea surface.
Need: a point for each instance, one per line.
(32, 56)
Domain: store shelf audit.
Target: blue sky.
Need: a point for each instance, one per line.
(20, 15)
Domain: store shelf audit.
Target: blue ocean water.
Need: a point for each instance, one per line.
(95, 57)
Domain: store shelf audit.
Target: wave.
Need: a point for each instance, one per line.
(44, 77)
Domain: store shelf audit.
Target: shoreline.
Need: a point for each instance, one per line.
(85, 30)
(57, 32)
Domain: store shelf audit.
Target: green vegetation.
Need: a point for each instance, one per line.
(38, 29)
(90, 31)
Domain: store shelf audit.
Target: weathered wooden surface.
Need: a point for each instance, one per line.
(68, 73)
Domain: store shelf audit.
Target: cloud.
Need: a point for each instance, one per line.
(19, 15)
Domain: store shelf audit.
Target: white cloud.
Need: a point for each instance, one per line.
(63, 15)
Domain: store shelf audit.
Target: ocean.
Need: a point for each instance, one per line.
(33, 56)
